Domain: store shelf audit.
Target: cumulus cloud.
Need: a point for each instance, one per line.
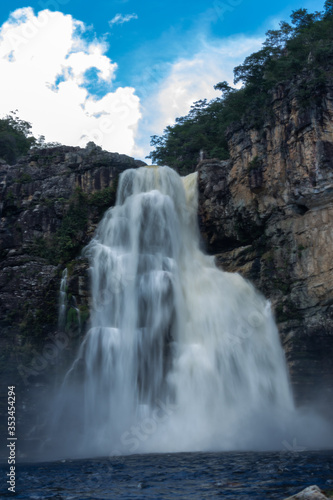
(51, 67)
(120, 19)
(192, 79)
(46, 63)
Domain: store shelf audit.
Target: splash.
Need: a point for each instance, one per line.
(180, 356)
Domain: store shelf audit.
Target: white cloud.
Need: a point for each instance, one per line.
(45, 62)
(192, 79)
(120, 19)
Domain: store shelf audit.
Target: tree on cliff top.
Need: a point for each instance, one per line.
(302, 49)
(15, 138)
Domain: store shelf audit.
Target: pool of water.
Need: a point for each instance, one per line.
(232, 475)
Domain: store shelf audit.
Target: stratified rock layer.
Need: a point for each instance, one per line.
(267, 213)
(51, 202)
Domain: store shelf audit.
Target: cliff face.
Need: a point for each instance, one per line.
(51, 202)
(267, 213)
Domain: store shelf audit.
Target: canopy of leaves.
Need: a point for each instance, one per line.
(16, 138)
(303, 48)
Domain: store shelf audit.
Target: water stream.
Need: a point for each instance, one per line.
(62, 300)
(180, 356)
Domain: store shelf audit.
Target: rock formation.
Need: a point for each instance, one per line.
(267, 213)
(51, 202)
(309, 493)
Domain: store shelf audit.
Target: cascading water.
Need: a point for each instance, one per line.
(62, 300)
(180, 356)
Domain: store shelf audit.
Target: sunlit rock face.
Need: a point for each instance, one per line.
(267, 213)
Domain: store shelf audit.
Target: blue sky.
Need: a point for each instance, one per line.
(119, 71)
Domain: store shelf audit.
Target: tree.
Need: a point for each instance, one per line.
(276, 39)
(252, 69)
(302, 19)
(15, 137)
(300, 52)
(328, 6)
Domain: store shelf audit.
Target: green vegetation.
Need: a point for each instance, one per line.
(84, 313)
(66, 243)
(302, 50)
(16, 138)
(254, 164)
(24, 178)
(300, 249)
(72, 319)
(36, 320)
(287, 311)
(105, 198)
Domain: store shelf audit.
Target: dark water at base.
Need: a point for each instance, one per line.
(182, 475)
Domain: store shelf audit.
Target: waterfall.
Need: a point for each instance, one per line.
(69, 315)
(62, 300)
(180, 355)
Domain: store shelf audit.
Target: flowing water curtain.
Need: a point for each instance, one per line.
(176, 345)
(62, 301)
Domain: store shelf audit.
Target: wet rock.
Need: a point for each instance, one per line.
(309, 493)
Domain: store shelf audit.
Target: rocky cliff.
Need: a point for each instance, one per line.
(267, 213)
(51, 202)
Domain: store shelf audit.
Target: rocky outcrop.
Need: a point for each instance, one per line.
(309, 493)
(51, 202)
(267, 213)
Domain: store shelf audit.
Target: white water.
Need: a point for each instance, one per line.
(62, 301)
(180, 356)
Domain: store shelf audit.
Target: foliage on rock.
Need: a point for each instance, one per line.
(67, 241)
(301, 52)
(16, 138)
